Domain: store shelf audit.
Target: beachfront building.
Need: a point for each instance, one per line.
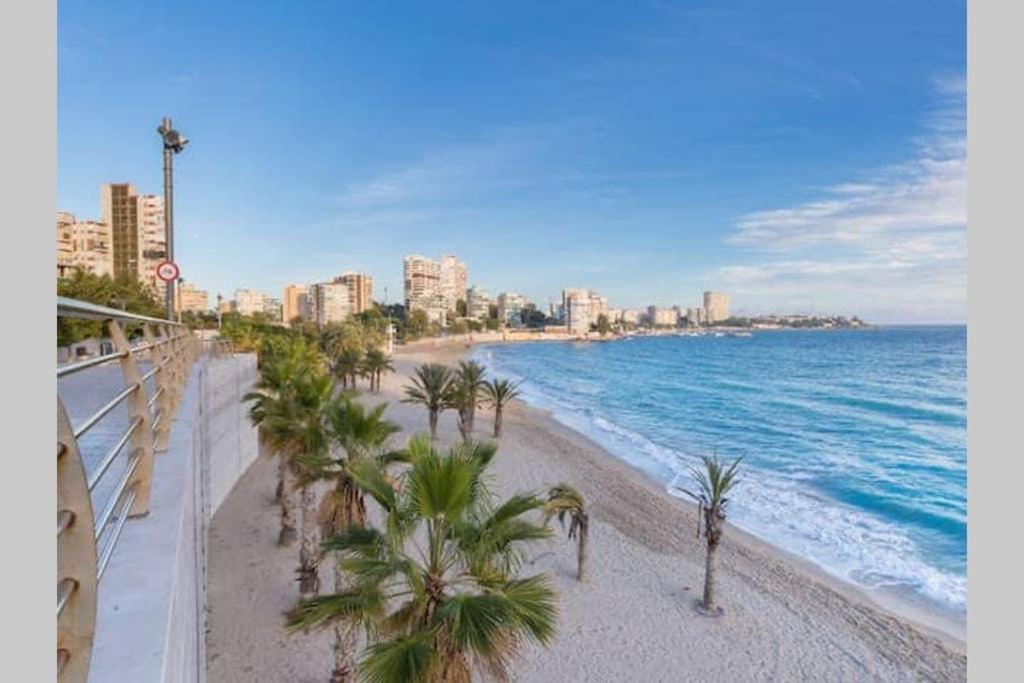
(716, 307)
(453, 280)
(295, 303)
(630, 316)
(510, 308)
(695, 316)
(83, 244)
(188, 299)
(662, 317)
(422, 280)
(478, 303)
(360, 290)
(576, 304)
(247, 302)
(329, 302)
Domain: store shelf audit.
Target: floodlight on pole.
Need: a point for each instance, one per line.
(174, 143)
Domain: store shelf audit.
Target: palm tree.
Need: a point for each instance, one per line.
(469, 380)
(300, 434)
(361, 434)
(347, 364)
(564, 500)
(282, 366)
(436, 588)
(713, 485)
(432, 386)
(375, 364)
(498, 393)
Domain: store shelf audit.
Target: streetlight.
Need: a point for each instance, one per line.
(174, 143)
(219, 298)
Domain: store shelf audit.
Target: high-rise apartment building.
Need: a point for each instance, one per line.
(716, 306)
(629, 316)
(576, 304)
(453, 280)
(478, 303)
(329, 302)
(422, 280)
(295, 304)
(190, 299)
(248, 302)
(360, 290)
(272, 308)
(510, 308)
(137, 232)
(83, 244)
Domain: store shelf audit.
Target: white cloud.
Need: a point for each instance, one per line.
(892, 242)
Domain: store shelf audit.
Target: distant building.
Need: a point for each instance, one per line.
(83, 244)
(360, 290)
(329, 302)
(453, 280)
(662, 317)
(422, 280)
(478, 303)
(696, 316)
(248, 302)
(576, 304)
(510, 308)
(630, 316)
(138, 235)
(272, 308)
(295, 304)
(191, 300)
(716, 306)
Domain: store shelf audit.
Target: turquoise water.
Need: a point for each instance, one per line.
(855, 441)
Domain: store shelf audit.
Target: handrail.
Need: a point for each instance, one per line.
(81, 563)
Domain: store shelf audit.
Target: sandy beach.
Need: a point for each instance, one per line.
(633, 619)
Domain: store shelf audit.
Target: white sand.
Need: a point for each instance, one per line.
(632, 620)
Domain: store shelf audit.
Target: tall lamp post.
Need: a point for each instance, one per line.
(174, 143)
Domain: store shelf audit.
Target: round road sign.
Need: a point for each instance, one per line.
(167, 271)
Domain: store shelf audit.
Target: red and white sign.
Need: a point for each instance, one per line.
(167, 271)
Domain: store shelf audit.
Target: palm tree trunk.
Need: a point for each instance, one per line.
(497, 421)
(433, 424)
(710, 579)
(582, 552)
(279, 492)
(308, 579)
(344, 634)
(288, 535)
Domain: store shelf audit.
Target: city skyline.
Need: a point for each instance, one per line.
(823, 175)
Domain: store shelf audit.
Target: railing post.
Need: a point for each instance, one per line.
(138, 409)
(164, 403)
(76, 558)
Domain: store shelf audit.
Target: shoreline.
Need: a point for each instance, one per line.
(891, 601)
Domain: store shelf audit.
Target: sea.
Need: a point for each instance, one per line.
(853, 441)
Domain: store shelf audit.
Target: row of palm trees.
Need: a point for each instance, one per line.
(436, 588)
(439, 388)
(351, 362)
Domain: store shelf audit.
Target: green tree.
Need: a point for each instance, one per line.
(603, 326)
(492, 324)
(714, 483)
(498, 392)
(460, 308)
(348, 363)
(465, 394)
(375, 364)
(361, 434)
(124, 292)
(450, 603)
(417, 324)
(431, 387)
(565, 501)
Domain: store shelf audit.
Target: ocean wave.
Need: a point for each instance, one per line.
(786, 511)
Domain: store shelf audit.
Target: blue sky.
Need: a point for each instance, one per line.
(803, 156)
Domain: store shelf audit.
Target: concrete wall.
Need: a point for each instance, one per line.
(151, 612)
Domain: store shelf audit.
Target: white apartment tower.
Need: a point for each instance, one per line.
(576, 304)
(248, 302)
(453, 280)
(329, 302)
(478, 303)
(716, 306)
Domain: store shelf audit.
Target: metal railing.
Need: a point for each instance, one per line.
(85, 542)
